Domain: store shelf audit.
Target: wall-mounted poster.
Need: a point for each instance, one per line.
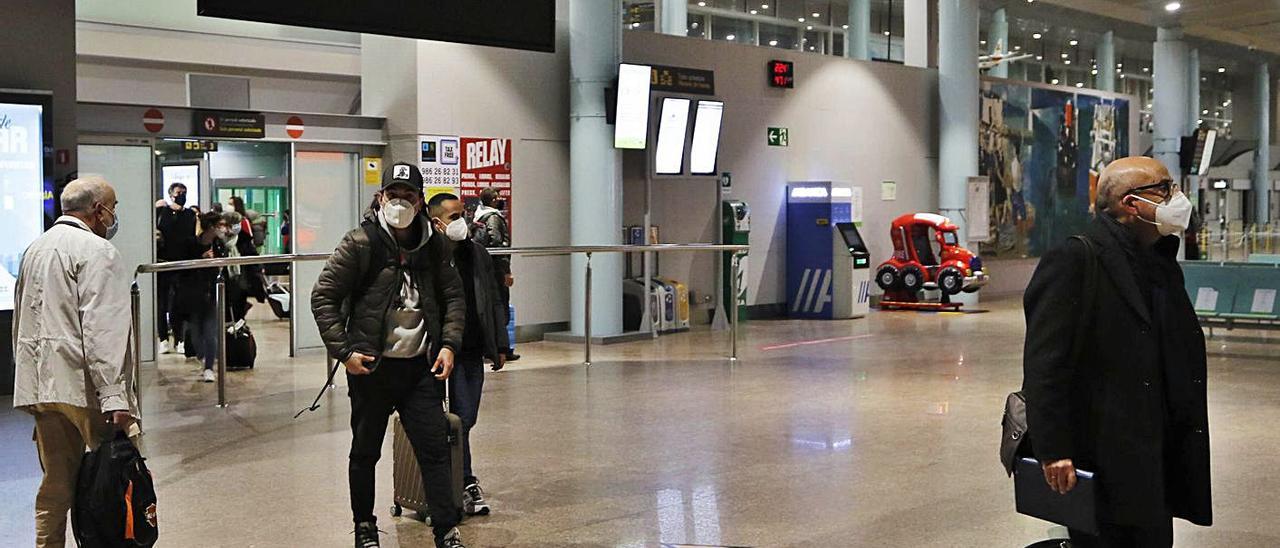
(439, 161)
(1042, 149)
(486, 163)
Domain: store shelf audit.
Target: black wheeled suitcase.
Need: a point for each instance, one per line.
(409, 491)
(242, 347)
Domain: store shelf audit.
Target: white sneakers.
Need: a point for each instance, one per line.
(162, 346)
(179, 348)
(207, 375)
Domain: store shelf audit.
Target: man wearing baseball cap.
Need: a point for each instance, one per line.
(391, 308)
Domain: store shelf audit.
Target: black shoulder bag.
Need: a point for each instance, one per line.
(1013, 436)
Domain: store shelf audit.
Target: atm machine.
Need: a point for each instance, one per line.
(828, 266)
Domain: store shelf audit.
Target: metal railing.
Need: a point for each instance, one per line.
(220, 293)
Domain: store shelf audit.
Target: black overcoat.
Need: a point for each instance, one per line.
(1132, 409)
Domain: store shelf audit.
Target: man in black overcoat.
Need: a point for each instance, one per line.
(1130, 407)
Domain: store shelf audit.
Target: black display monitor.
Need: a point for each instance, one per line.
(523, 24)
(852, 239)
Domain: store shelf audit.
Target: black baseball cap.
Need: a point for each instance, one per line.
(402, 173)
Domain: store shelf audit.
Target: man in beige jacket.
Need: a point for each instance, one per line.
(71, 345)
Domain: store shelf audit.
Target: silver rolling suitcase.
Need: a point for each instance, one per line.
(408, 488)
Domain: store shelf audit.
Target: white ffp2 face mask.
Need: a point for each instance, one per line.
(1172, 217)
(457, 230)
(398, 213)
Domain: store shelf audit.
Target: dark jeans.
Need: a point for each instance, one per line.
(408, 387)
(1121, 536)
(167, 322)
(204, 334)
(465, 385)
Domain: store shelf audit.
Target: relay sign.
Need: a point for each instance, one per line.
(782, 74)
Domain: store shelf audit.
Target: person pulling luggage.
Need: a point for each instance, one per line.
(484, 337)
(392, 309)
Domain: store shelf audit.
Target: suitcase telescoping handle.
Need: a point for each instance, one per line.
(446, 391)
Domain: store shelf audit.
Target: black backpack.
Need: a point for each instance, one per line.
(115, 498)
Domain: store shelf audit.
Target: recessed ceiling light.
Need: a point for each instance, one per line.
(886, 33)
(1054, 81)
(1222, 69)
(1037, 35)
(1173, 6)
(730, 37)
(800, 19)
(1226, 103)
(702, 4)
(810, 27)
(845, 27)
(1079, 84)
(816, 14)
(1074, 42)
(811, 48)
(1067, 61)
(753, 12)
(982, 42)
(1146, 69)
(1039, 58)
(1119, 65)
(1017, 48)
(764, 6)
(1205, 111)
(1094, 71)
(1064, 56)
(773, 42)
(1122, 76)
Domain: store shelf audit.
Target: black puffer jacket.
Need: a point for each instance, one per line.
(350, 303)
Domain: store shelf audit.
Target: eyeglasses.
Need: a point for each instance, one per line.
(1164, 188)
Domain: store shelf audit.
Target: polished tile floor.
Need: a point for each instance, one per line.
(875, 432)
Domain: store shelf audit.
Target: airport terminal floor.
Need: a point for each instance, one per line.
(874, 432)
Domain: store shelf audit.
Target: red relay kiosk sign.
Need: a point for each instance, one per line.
(486, 163)
(782, 74)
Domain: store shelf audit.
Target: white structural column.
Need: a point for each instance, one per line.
(673, 17)
(1170, 105)
(1107, 62)
(855, 39)
(595, 169)
(998, 40)
(958, 105)
(915, 30)
(1193, 91)
(1262, 156)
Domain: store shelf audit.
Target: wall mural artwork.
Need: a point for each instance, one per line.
(1043, 149)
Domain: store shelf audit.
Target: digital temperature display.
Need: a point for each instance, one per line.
(782, 74)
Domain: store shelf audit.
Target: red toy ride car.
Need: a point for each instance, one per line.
(927, 255)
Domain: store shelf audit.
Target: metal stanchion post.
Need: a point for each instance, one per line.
(586, 315)
(135, 376)
(220, 316)
(733, 305)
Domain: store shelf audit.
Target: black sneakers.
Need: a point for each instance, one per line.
(367, 535)
(473, 501)
(452, 539)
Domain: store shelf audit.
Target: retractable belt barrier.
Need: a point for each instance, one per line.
(220, 295)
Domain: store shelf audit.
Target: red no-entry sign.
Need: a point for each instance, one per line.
(294, 127)
(153, 120)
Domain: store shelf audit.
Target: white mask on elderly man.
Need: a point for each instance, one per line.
(1173, 216)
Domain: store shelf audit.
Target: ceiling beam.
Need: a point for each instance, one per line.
(1155, 18)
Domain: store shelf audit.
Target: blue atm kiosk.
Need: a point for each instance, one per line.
(828, 267)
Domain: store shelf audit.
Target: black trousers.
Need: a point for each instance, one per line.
(1121, 536)
(167, 322)
(408, 387)
(465, 386)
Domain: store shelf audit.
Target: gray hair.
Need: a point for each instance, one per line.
(80, 194)
(231, 217)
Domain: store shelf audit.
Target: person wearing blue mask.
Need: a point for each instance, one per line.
(71, 348)
(1115, 381)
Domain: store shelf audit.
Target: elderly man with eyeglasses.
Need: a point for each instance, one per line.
(1126, 401)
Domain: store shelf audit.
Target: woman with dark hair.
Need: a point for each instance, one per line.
(194, 293)
(237, 205)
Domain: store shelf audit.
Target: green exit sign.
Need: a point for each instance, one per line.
(779, 137)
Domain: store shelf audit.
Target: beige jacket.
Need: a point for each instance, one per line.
(71, 322)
